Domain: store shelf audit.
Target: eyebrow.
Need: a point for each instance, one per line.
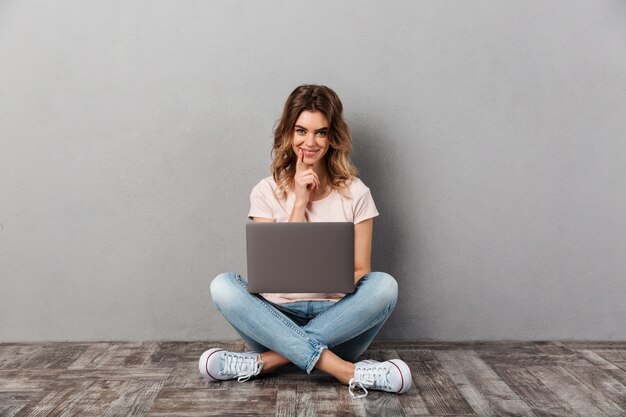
(318, 130)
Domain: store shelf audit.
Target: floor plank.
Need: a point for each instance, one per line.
(576, 395)
(437, 390)
(487, 394)
(473, 378)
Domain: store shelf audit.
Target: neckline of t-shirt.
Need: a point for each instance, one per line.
(322, 199)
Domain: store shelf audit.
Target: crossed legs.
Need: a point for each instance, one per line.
(349, 325)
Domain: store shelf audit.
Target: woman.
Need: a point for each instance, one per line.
(312, 180)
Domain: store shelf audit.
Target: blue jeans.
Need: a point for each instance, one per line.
(301, 330)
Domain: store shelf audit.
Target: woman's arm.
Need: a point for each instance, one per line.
(362, 248)
(297, 213)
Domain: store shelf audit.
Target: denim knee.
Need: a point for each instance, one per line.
(223, 288)
(386, 288)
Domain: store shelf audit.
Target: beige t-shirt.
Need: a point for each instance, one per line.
(332, 208)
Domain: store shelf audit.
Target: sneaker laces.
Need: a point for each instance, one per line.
(374, 377)
(242, 367)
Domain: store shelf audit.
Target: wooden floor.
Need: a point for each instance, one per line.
(452, 379)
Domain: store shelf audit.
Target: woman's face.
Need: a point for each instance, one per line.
(311, 134)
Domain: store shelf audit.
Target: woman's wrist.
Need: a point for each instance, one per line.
(300, 204)
(297, 213)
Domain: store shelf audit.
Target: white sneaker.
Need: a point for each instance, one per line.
(219, 364)
(392, 376)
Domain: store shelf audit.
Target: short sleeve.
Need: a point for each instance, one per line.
(259, 201)
(364, 207)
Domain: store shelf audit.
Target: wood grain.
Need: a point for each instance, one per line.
(155, 379)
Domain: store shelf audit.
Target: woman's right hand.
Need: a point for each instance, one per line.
(305, 179)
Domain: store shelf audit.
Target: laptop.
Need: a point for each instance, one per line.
(300, 257)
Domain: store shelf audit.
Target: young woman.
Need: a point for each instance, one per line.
(312, 180)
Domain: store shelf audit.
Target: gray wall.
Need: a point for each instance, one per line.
(491, 135)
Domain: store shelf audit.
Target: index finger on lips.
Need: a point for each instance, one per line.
(300, 165)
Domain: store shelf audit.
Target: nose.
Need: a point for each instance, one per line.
(309, 140)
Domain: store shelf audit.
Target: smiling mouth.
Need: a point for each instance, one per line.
(309, 153)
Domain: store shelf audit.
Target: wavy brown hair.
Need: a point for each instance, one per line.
(340, 168)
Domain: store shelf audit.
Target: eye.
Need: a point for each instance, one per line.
(300, 131)
(321, 134)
